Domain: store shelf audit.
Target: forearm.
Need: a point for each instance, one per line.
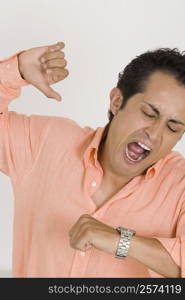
(152, 254)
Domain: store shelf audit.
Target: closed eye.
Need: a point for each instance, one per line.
(172, 129)
(153, 116)
(150, 116)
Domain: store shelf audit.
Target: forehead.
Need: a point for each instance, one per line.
(163, 91)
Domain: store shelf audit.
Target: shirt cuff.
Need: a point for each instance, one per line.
(9, 72)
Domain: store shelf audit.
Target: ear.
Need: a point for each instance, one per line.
(116, 100)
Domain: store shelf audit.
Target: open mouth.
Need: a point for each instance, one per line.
(136, 152)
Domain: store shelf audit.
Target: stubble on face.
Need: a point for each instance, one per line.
(168, 96)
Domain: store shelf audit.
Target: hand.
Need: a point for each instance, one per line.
(88, 232)
(43, 66)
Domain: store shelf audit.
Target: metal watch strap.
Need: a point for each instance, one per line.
(124, 242)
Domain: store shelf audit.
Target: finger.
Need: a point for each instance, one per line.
(79, 230)
(81, 241)
(74, 230)
(77, 240)
(87, 246)
(57, 74)
(82, 245)
(55, 47)
(55, 63)
(51, 55)
(79, 225)
(71, 230)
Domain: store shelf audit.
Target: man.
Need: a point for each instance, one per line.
(85, 198)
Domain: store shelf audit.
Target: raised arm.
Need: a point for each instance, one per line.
(21, 136)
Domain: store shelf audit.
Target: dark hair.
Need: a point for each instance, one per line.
(133, 78)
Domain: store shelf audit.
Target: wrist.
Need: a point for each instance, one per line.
(133, 242)
(20, 65)
(126, 236)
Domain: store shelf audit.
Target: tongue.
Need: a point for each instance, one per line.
(134, 147)
(135, 150)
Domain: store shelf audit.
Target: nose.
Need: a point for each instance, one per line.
(154, 132)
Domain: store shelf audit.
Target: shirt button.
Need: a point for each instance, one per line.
(93, 183)
(82, 253)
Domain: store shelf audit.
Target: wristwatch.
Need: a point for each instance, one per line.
(124, 242)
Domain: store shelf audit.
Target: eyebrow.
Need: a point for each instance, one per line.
(155, 109)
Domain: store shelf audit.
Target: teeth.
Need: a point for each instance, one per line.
(140, 157)
(144, 146)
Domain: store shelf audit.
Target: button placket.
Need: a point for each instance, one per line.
(93, 183)
(82, 253)
(80, 263)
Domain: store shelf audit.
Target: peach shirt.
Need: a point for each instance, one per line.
(53, 167)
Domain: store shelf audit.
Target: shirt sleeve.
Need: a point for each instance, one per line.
(21, 136)
(176, 245)
(10, 81)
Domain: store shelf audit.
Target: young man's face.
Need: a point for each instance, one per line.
(147, 119)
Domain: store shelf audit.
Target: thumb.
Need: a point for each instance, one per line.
(49, 92)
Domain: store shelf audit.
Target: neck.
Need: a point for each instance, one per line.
(110, 179)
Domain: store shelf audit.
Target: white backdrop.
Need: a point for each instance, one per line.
(101, 37)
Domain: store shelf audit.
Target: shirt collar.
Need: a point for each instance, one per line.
(157, 167)
(90, 155)
(91, 152)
